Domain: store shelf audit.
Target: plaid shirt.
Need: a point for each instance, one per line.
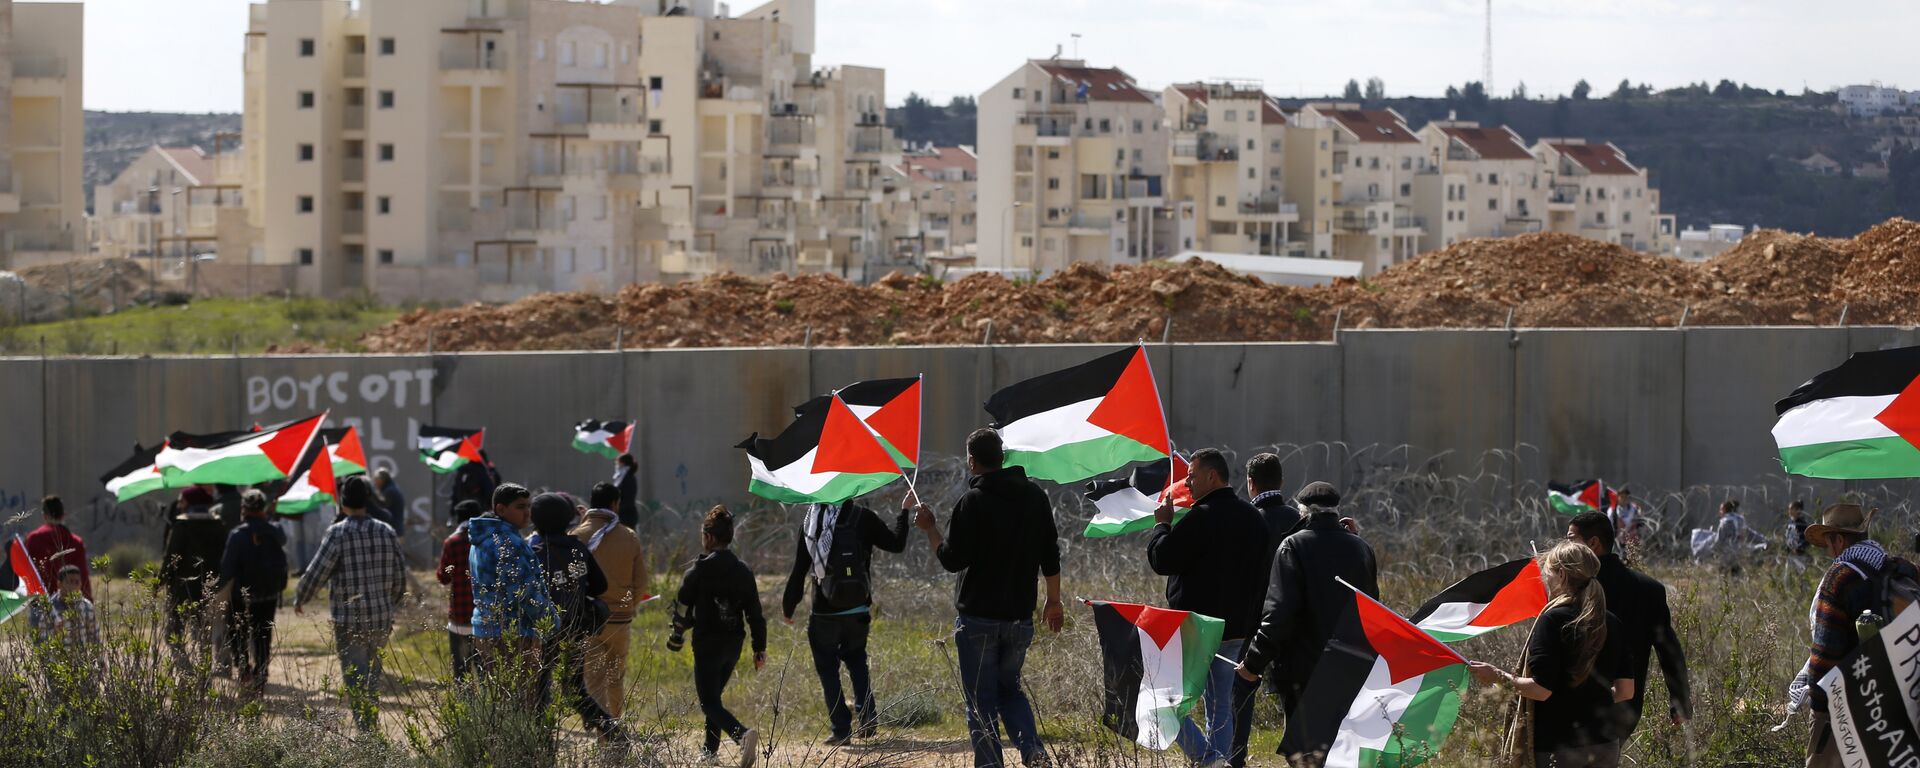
(454, 572)
(72, 623)
(361, 557)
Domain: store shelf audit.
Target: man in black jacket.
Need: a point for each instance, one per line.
(1265, 476)
(254, 571)
(1305, 599)
(834, 553)
(1213, 562)
(574, 583)
(720, 601)
(190, 573)
(1641, 603)
(1001, 540)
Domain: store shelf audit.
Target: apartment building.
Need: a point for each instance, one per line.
(1226, 182)
(1375, 160)
(1479, 182)
(42, 203)
(494, 148)
(171, 202)
(940, 193)
(1875, 99)
(1593, 191)
(1072, 161)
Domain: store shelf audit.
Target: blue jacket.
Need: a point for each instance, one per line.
(509, 596)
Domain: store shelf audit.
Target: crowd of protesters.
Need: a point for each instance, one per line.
(557, 605)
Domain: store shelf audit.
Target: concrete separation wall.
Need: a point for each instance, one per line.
(1505, 411)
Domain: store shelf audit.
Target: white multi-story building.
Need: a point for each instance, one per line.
(1703, 244)
(1593, 191)
(461, 148)
(172, 202)
(1479, 182)
(1375, 160)
(1226, 186)
(1875, 99)
(42, 202)
(1072, 161)
(941, 192)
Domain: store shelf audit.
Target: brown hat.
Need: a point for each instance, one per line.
(1844, 518)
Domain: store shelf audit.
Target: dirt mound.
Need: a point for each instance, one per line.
(59, 291)
(1538, 280)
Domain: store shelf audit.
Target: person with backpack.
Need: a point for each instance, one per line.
(253, 570)
(574, 583)
(834, 553)
(193, 548)
(616, 548)
(475, 481)
(720, 602)
(1865, 584)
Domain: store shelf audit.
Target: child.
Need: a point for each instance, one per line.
(720, 602)
(67, 615)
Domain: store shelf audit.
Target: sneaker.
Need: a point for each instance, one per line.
(749, 747)
(868, 729)
(837, 741)
(709, 757)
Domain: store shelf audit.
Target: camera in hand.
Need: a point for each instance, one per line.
(678, 639)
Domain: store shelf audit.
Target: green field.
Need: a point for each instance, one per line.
(207, 327)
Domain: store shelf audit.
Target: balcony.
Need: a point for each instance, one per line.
(873, 140)
(353, 117)
(526, 222)
(353, 66)
(690, 263)
(354, 170)
(1052, 126)
(1564, 196)
(1204, 147)
(1089, 223)
(39, 68)
(789, 134)
(353, 223)
(790, 178)
(1269, 207)
(603, 116)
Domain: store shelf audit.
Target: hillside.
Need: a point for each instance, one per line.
(114, 139)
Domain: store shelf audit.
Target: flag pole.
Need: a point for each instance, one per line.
(1166, 491)
(919, 435)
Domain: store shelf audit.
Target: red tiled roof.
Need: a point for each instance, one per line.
(193, 163)
(1598, 159)
(1490, 143)
(1194, 93)
(1102, 84)
(942, 158)
(1372, 125)
(1273, 114)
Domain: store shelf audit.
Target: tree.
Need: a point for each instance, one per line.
(1726, 90)
(1625, 91)
(1352, 93)
(1376, 89)
(1474, 94)
(1520, 91)
(1581, 90)
(1453, 94)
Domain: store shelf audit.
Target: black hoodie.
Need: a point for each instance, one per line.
(1001, 540)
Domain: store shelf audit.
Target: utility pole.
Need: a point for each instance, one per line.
(1486, 60)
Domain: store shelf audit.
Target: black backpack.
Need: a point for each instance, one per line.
(1890, 590)
(845, 585)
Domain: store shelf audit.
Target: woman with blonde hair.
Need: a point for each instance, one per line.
(1574, 674)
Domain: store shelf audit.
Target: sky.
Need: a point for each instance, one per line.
(184, 55)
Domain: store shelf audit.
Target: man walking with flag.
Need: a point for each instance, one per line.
(834, 554)
(1305, 594)
(1212, 560)
(359, 559)
(1000, 540)
(1641, 604)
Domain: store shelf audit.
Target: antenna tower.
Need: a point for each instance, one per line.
(1486, 56)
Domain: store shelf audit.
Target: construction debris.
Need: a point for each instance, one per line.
(1532, 281)
(72, 289)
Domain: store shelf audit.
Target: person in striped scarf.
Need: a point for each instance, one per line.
(1846, 591)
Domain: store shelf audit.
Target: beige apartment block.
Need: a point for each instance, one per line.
(170, 202)
(494, 148)
(942, 191)
(1226, 185)
(1072, 162)
(1480, 182)
(1593, 191)
(1376, 161)
(42, 202)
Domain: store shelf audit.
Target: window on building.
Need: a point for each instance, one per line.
(386, 99)
(1375, 164)
(1492, 204)
(600, 57)
(383, 204)
(1019, 93)
(306, 47)
(1231, 115)
(1406, 163)
(388, 46)
(1253, 173)
(386, 255)
(1053, 183)
(1138, 126)
(656, 83)
(306, 99)
(566, 53)
(386, 153)
(1626, 218)
(1219, 201)
(306, 153)
(1493, 178)
(1106, 125)
(1406, 190)
(306, 256)
(304, 204)
(1600, 216)
(1138, 155)
(1274, 147)
(1053, 154)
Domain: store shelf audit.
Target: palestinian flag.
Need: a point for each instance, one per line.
(349, 458)
(244, 459)
(1070, 425)
(825, 456)
(1384, 693)
(1126, 504)
(313, 486)
(891, 409)
(1503, 595)
(445, 449)
(1156, 663)
(1860, 421)
(1582, 496)
(607, 438)
(26, 580)
(137, 476)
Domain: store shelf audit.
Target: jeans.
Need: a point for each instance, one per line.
(1245, 693)
(837, 640)
(359, 650)
(460, 651)
(713, 663)
(1217, 742)
(250, 637)
(992, 653)
(564, 657)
